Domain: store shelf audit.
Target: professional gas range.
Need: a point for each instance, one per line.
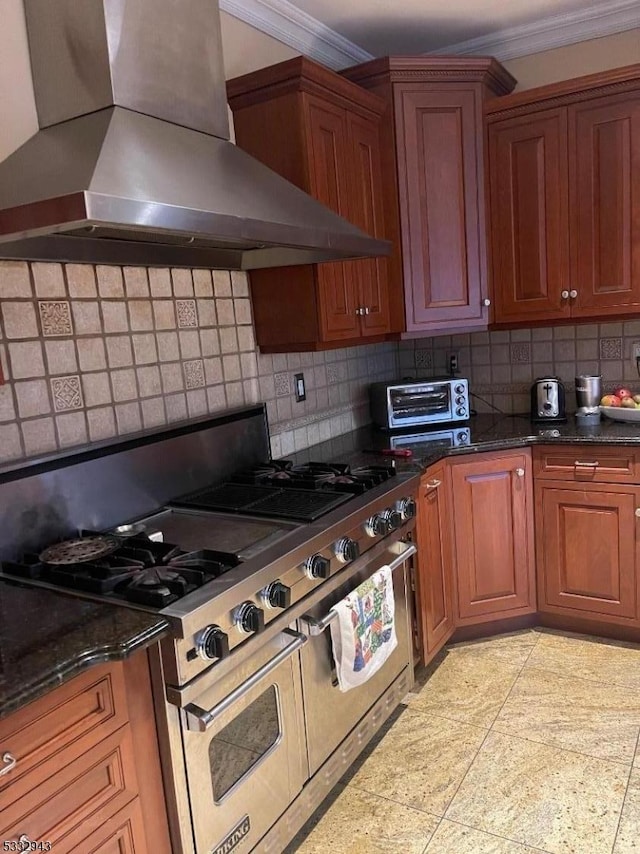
(245, 565)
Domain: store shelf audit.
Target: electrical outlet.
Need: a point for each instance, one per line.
(2, 379)
(301, 393)
(636, 349)
(453, 363)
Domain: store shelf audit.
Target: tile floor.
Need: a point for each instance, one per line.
(521, 743)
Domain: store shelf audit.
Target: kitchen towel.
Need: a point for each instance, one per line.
(364, 634)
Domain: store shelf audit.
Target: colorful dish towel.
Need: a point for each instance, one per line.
(364, 635)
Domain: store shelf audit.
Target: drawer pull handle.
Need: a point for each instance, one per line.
(9, 762)
(520, 472)
(25, 842)
(433, 484)
(592, 465)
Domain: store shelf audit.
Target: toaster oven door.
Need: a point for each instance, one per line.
(419, 404)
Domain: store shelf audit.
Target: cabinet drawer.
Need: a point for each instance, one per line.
(71, 719)
(122, 834)
(596, 464)
(74, 801)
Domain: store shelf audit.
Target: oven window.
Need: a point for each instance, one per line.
(420, 402)
(243, 742)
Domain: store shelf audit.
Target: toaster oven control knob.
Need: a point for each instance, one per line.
(460, 399)
(376, 526)
(462, 438)
(460, 411)
(347, 550)
(276, 595)
(459, 389)
(249, 618)
(212, 642)
(393, 518)
(406, 507)
(317, 566)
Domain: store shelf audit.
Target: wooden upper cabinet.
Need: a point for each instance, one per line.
(587, 549)
(564, 169)
(529, 221)
(433, 154)
(322, 133)
(493, 537)
(604, 158)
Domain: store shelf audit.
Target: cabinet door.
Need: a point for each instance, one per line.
(337, 290)
(604, 157)
(435, 565)
(366, 211)
(529, 217)
(587, 551)
(493, 535)
(439, 156)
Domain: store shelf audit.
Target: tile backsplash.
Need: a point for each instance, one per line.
(502, 365)
(90, 353)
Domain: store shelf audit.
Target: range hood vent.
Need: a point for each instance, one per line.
(133, 163)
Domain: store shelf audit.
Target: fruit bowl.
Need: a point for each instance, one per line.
(621, 413)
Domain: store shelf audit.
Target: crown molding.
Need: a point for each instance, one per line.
(302, 32)
(607, 18)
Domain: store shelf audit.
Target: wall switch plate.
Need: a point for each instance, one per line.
(301, 392)
(2, 379)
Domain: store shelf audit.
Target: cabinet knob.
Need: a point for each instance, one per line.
(520, 472)
(9, 762)
(564, 294)
(359, 311)
(637, 511)
(366, 310)
(573, 293)
(486, 301)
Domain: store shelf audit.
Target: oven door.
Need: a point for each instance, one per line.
(329, 713)
(244, 748)
(420, 404)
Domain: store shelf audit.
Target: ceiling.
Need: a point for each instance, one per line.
(420, 26)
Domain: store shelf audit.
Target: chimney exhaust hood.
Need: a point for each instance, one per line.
(133, 164)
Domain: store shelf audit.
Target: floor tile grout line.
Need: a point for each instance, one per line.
(563, 749)
(582, 678)
(393, 800)
(498, 836)
(626, 792)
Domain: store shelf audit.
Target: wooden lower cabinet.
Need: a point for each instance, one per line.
(493, 537)
(87, 774)
(587, 549)
(434, 578)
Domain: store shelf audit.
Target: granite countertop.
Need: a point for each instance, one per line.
(47, 638)
(488, 433)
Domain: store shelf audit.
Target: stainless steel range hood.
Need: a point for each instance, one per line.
(133, 163)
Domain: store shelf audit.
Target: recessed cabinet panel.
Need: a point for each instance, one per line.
(529, 217)
(438, 171)
(604, 138)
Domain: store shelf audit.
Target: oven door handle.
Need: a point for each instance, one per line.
(316, 627)
(200, 720)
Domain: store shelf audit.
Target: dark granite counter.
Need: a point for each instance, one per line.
(488, 433)
(46, 638)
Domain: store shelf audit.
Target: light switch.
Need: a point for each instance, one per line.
(301, 393)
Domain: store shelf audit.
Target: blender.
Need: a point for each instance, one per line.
(588, 394)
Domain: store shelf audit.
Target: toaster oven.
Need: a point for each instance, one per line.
(439, 400)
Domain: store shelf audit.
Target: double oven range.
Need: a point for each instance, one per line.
(245, 565)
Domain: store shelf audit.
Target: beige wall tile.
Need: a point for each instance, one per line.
(14, 279)
(48, 280)
(189, 344)
(140, 315)
(72, 429)
(124, 385)
(19, 319)
(235, 394)
(160, 282)
(239, 284)
(168, 346)
(119, 351)
(86, 318)
(136, 282)
(164, 314)
(114, 316)
(55, 318)
(7, 406)
(228, 340)
(210, 342)
(242, 309)
(226, 316)
(172, 379)
(91, 354)
(182, 283)
(196, 403)
(81, 279)
(33, 398)
(213, 371)
(10, 443)
(176, 406)
(128, 417)
(193, 373)
(216, 398)
(153, 414)
(66, 393)
(144, 348)
(39, 436)
(186, 313)
(97, 389)
(231, 368)
(149, 381)
(110, 283)
(221, 283)
(102, 423)
(26, 359)
(206, 312)
(203, 283)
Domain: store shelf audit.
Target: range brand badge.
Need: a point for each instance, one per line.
(234, 838)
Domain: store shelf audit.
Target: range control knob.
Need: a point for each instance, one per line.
(317, 566)
(249, 618)
(459, 389)
(406, 507)
(212, 642)
(393, 518)
(276, 595)
(460, 411)
(347, 550)
(376, 526)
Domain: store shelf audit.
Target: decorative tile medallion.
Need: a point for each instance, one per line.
(282, 384)
(610, 348)
(333, 376)
(55, 317)
(67, 394)
(423, 358)
(187, 315)
(194, 373)
(521, 353)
